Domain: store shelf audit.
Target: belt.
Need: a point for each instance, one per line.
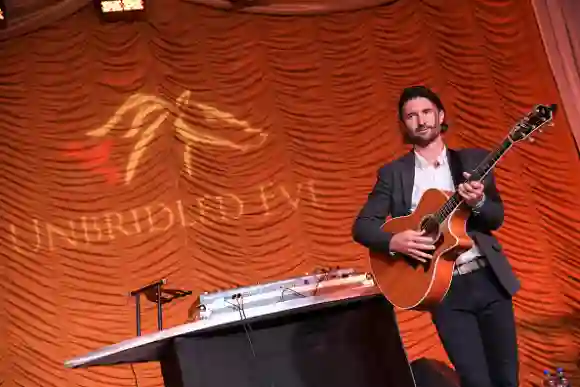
(468, 267)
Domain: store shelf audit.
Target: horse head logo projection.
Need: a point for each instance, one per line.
(145, 123)
(194, 123)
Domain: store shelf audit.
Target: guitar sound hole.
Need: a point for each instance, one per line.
(431, 226)
(432, 229)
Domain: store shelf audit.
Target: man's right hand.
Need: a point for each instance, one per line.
(413, 244)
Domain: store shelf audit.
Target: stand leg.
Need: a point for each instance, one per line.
(138, 313)
(159, 311)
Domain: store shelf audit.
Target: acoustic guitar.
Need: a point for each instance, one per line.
(411, 284)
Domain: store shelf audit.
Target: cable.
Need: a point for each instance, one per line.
(245, 324)
(316, 288)
(134, 375)
(239, 306)
(290, 290)
(326, 272)
(248, 331)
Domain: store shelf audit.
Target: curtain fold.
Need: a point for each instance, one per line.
(218, 148)
(293, 7)
(559, 22)
(45, 16)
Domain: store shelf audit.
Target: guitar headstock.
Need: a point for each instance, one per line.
(532, 122)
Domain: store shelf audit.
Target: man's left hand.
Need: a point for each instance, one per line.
(471, 192)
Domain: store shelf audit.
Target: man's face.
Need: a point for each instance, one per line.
(422, 121)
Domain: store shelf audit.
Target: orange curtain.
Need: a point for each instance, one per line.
(219, 148)
(559, 22)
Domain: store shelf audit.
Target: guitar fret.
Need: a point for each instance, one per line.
(540, 115)
(477, 175)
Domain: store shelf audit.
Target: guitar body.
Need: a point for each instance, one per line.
(411, 284)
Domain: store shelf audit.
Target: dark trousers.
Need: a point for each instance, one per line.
(476, 325)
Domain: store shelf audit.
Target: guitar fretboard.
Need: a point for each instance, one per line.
(476, 175)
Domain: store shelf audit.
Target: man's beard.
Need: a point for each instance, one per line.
(423, 139)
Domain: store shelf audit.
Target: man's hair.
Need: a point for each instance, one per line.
(413, 92)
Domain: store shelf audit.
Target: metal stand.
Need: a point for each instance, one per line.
(137, 294)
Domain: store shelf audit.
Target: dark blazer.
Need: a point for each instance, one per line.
(392, 193)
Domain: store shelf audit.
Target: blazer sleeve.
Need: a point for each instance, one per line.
(366, 229)
(490, 216)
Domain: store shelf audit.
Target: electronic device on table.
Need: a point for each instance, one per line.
(264, 297)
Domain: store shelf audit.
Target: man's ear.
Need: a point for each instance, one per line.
(441, 117)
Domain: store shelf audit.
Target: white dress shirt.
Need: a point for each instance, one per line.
(437, 175)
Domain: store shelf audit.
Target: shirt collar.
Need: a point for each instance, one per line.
(441, 160)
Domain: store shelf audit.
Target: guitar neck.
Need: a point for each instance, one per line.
(478, 174)
(490, 161)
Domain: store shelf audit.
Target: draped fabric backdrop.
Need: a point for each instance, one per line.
(221, 148)
(559, 22)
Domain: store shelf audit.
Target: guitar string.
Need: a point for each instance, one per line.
(489, 162)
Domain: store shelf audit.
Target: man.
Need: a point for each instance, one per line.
(475, 321)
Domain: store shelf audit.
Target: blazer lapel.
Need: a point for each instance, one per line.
(408, 179)
(456, 166)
